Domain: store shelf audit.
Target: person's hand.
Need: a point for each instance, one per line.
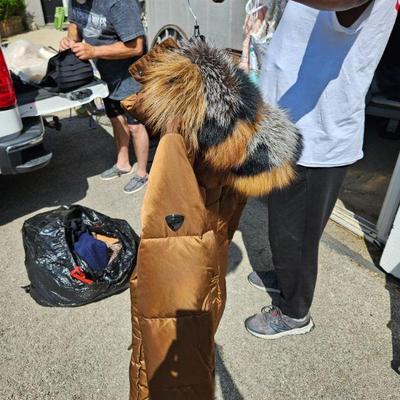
(84, 51)
(173, 125)
(66, 43)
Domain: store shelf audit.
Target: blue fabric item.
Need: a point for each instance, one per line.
(94, 252)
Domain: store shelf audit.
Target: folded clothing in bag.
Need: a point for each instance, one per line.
(113, 244)
(94, 252)
(109, 241)
(66, 72)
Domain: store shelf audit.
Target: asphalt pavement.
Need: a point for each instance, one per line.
(82, 353)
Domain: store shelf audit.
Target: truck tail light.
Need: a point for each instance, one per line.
(7, 94)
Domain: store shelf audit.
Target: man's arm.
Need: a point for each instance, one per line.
(334, 5)
(73, 36)
(115, 51)
(73, 32)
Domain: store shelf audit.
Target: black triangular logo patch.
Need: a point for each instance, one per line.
(175, 221)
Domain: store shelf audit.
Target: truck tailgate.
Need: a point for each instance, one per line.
(33, 101)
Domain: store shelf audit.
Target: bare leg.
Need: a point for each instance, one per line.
(122, 139)
(141, 144)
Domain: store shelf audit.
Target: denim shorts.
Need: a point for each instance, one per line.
(114, 109)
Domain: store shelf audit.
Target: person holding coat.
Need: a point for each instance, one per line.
(220, 143)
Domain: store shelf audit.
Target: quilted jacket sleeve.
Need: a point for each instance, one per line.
(176, 285)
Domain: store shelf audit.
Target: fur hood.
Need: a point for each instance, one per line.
(220, 114)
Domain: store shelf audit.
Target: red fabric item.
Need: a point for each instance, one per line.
(79, 274)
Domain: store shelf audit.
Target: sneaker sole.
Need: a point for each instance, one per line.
(263, 288)
(136, 190)
(118, 176)
(298, 331)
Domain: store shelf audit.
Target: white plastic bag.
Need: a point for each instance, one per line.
(262, 19)
(28, 60)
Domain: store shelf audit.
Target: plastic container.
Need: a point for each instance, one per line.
(59, 18)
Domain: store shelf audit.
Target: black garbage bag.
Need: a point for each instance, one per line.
(50, 259)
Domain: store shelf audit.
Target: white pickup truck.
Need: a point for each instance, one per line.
(22, 111)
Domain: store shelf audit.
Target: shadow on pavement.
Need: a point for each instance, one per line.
(235, 258)
(228, 387)
(184, 371)
(254, 228)
(393, 287)
(78, 154)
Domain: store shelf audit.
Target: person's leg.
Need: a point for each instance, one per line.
(141, 146)
(297, 219)
(122, 139)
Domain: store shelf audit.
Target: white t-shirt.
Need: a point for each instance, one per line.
(320, 72)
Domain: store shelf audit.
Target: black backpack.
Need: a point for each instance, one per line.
(66, 72)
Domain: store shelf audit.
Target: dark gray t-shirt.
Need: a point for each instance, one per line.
(103, 22)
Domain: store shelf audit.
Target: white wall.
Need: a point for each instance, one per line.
(34, 9)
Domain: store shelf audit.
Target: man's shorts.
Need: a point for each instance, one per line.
(114, 109)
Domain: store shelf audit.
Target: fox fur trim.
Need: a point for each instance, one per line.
(221, 115)
(172, 87)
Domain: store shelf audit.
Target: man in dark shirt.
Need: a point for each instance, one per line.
(111, 33)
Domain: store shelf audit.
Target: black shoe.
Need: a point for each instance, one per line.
(266, 281)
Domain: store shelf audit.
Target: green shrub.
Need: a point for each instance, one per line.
(11, 8)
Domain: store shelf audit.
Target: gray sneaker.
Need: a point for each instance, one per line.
(114, 172)
(135, 184)
(272, 324)
(264, 280)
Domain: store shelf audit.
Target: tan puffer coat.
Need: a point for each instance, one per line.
(229, 146)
